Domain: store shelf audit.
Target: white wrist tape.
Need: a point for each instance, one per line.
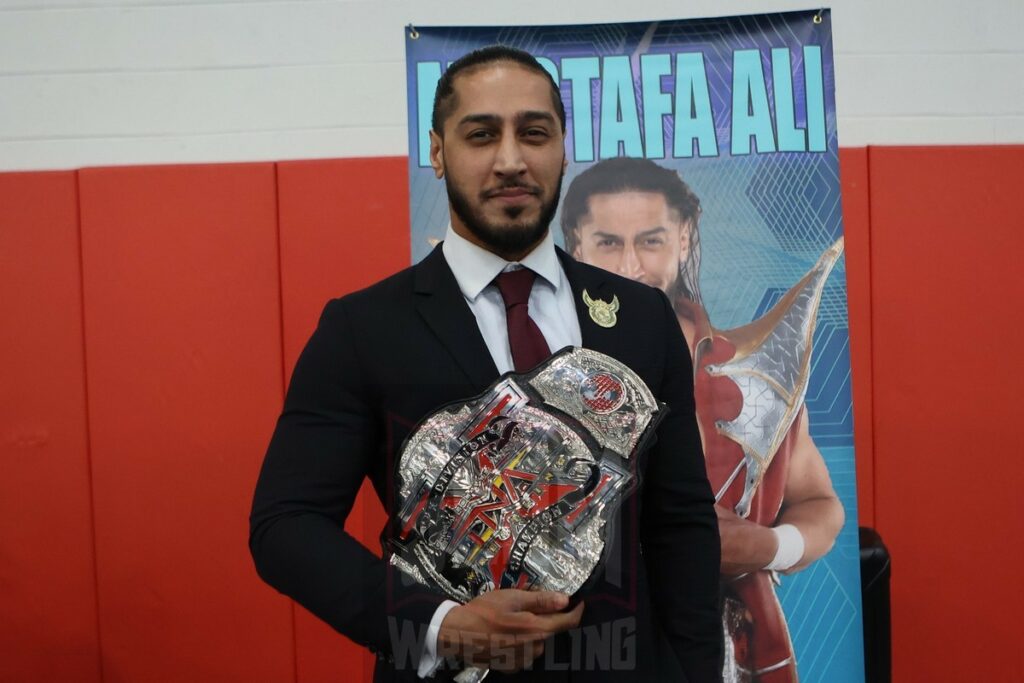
(791, 547)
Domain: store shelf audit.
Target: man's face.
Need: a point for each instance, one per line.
(502, 158)
(634, 234)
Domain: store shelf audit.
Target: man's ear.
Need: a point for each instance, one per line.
(577, 252)
(685, 233)
(565, 163)
(437, 154)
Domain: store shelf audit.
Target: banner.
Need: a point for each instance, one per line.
(703, 160)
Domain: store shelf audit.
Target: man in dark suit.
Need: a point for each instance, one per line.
(495, 296)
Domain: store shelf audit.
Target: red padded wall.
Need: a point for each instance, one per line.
(947, 302)
(853, 166)
(200, 285)
(344, 225)
(182, 333)
(47, 578)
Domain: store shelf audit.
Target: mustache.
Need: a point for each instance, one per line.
(512, 185)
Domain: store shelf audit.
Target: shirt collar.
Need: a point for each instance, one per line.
(474, 267)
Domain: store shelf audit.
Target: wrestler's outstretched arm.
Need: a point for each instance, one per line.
(809, 503)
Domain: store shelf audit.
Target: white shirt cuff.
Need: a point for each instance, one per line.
(430, 662)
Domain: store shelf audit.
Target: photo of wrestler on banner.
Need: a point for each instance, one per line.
(639, 220)
(703, 161)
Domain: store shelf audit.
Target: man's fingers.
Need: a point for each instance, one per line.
(563, 621)
(543, 602)
(557, 622)
(525, 624)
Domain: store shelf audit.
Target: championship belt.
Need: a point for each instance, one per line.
(517, 487)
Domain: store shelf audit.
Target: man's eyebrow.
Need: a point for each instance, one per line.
(520, 118)
(525, 116)
(601, 235)
(650, 232)
(491, 119)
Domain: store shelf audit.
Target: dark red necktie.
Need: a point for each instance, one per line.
(524, 337)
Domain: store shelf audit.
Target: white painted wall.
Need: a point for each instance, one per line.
(93, 82)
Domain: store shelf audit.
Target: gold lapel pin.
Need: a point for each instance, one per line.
(602, 312)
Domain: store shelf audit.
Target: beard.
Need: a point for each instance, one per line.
(508, 237)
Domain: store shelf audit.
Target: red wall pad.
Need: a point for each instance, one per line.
(47, 582)
(344, 225)
(853, 166)
(947, 333)
(184, 369)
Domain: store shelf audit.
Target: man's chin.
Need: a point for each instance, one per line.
(523, 224)
(516, 214)
(512, 237)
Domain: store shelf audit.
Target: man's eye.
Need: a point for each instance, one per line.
(480, 135)
(653, 242)
(536, 133)
(606, 243)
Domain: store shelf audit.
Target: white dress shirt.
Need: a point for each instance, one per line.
(551, 307)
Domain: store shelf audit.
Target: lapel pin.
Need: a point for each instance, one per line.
(602, 312)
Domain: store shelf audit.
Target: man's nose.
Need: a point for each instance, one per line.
(629, 265)
(509, 160)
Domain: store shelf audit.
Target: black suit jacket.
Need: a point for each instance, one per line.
(383, 358)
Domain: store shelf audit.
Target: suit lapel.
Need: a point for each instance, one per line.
(593, 282)
(607, 340)
(440, 303)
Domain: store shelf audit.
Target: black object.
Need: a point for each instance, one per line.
(875, 573)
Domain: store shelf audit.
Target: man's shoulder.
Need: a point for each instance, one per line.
(386, 293)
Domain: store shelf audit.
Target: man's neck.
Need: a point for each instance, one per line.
(518, 255)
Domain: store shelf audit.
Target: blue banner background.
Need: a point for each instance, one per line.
(767, 218)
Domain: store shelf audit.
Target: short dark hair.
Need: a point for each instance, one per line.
(445, 100)
(625, 174)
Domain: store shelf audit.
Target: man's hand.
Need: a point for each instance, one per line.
(505, 629)
(746, 546)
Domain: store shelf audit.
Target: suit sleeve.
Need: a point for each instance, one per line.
(317, 459)
(679, 528)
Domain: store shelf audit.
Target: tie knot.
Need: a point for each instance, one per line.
(515, 286)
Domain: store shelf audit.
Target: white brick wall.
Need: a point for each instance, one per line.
(88, 82)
